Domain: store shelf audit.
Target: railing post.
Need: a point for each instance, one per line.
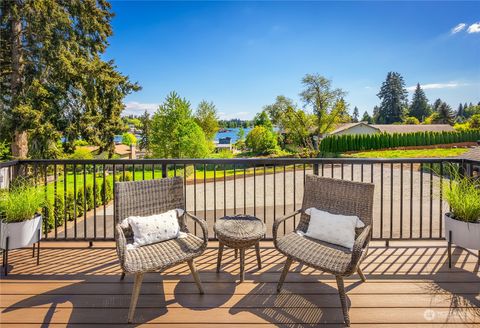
(164, 170)
(315, 169)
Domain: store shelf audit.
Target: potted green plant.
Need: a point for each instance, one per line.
(462, 223)
(21, 223)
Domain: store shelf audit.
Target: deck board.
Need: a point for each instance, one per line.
(409, 284)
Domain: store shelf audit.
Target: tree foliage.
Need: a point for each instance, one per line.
(325, 102)
(145, 128)
(261, 140)
(129, 139)
(393, 96)
(295, 124)
(367, 118)
(443, 115)
(355, 115)
(419, 107)
(54, 82)
(175, 134)
(206, 117)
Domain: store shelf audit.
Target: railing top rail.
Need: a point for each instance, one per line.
(8, 164)
(244, 161)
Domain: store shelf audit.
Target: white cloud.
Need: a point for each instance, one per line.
(458, 28)
(137, 108)
(430, 86)
(229, 116)
(474, 28)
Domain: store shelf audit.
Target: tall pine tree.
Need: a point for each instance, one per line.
(367, 118)
(355, 115)
(145, 131)
(444, 114)
(53, 79)
(393, 96)
(419, 107)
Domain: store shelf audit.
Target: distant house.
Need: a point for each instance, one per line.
(365, 128)
(224, 143)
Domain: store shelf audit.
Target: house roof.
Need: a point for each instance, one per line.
(406, 128)
(346, 126)
(397, 128)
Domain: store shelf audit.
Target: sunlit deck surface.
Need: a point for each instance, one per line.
(409, 285)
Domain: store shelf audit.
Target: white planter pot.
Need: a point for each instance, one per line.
(20, 234)
(464, 234)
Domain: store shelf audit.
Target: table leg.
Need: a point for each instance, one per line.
(219, 259)
(242, 264)
(257, 250)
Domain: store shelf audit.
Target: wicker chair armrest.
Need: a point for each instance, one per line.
(202, 223)
(360, 243)
(121, 243)
(277, 222)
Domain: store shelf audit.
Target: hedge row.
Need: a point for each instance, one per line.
(69, 207)
(352, 142)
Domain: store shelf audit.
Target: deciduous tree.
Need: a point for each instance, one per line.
(206, 117)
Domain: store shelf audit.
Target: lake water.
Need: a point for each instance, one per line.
(232, 133)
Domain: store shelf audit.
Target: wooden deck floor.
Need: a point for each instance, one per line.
(409, 285)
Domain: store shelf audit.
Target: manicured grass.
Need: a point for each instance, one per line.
(410, 153)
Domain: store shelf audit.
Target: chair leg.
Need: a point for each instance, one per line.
(360, 273)
(257, 250)
(286, 267)
(191, 264)
(236, 253)
(242, 264)
(135, 292)
(219, 259)
(343, 299)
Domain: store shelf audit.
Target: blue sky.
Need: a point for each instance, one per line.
(241, 55)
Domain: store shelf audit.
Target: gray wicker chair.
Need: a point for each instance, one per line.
(143, 198)
(337, 197)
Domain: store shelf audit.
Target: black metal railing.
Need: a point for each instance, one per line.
(408, 204)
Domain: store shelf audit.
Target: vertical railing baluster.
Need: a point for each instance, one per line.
(244, 190)
(114, 180)
(104, 168)
(234, 189)
(275, 190)
(54, 214)
(264, 193)
(224, 189)
(431, 201)
(361, 173)
(205, 191)
(294, 193)
(85, 200)
(440, 219)
(55, 205)
(284, 200)
(95, 200)
(214, 196)
(401, 200)
(143, 171)
(391, 200)
(341, 166)
(411, 200)
(381, 200)
(351, 173)
(74, 200)
(195, 196)
(254, 190)
(65, 200)
(421, 200)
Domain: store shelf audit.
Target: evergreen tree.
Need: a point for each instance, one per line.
(53, 79)
(367, 118)
(355, 115)
(145, 131)
(419, 107)
(444, 115)
(437, 104)
(393, 96)
(460, 112)
(376, 114)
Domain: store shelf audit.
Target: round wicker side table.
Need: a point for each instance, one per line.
(239, 232)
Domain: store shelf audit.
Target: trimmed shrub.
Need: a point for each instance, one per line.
(343, 143)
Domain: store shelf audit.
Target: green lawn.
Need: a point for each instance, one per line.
(410, 153)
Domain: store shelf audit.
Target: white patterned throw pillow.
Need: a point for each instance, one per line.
(333, 228)
(154, 228)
